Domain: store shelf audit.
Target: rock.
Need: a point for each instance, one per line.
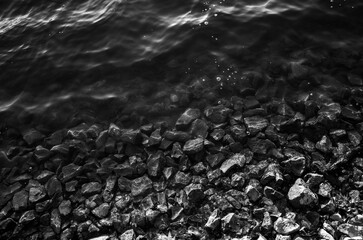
(177, 136)
(33, 136)
(252, 190)
(27, 217)
(102, 210)
(271, 174)
(357, 220)
(141, 186)
(355, 79)
(296, 164)
(70, 171)
(124, 169)
(351, 114)
(260, 146)
(80, 213)
(91, 188)
(138, 218)
(113, 131)
(36, 194)
(193, 146)
(71, 186)
(176, 212)
(181, 179)
(300, 195)
(324, 145)
(55, 221)
(286, 226)
(351, 230)
(53, 186)
(199, 128)
(236, 161)
(124, 184)
(65, 207)
(314, 179)
(20, 200)
(266, 224)
(215, 160)
(238, 133)
(230, 222)
(325, 189)
(155, 164)
(217, 114)
(283, 237)
(355, 138)
(187, 118)
(155, 138)
(195, 193)
(255, 124)
(217, 134)
(131, 136)
(41, 153)
(108, 192)
(214, 221)
(128, 235)
(272, 193)
(238, 180)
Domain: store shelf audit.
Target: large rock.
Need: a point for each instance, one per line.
(300, 195)
(128, 235)
(187, 118)
(194, 192)
(53, 186)
(214, 221)
(217, 114)
(351, 230)
(108, 192)
(199, 128)
(255, 124)
(102, 210)
(70, 171)
(193, 146)
(91, 188)
(141, 186)
(33, 136)
(236, 161)
(286, 226)
(155, 164)
(36, 193)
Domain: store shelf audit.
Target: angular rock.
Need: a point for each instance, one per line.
(20, 200)
(131, 136)
(41, 153)
(108, 192)
(128, 235)
(351, 230)
(177, 136)
(53, 186)
(193, 146)
(181, 179)
(300, 195)
(70, 171)
(124, 184)
(27, 217)
(325, 235)
(324, 144)
(238, 133)
(55, 221)
(217, 134)
(215, 160)
(187, 118)
(102, 210)
(230, 222)
(195, 193)
(217, 114)
(155, 164)
(65, 207)
(91, 188)
(355, 138)
(236, 161)
(141, 186)
(252, 190)
(214, 221)
(255, 124)
(286, 226)
(36, 194)
(33, 136)
(325, 189)
(296, 164)
(199, 128)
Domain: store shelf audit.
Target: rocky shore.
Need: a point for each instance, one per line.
(240, 169)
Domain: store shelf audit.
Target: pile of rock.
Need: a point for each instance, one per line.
(242, 169)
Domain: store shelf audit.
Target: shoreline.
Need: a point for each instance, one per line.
(240, 169)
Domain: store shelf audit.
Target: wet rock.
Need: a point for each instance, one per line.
(325, 235)
(70, 171)
(176, 212)
(255, 124)
(53, 186)
(351, 230)
(155, 138)
(124, 169)
(181, 179)
(128, 235)
(124, 184)
(215, 160)
(27, 217)
(238, 180)
(324, 144)
(260, 146)
(193, 146)
(230, 222)
(272, 174)
(141, 186)
(36, 194)
(217, 114)
(199, 128)
(351, 114)
(314, 179)
(155, 164)
(91, 188)
(266, 224)
(33, 136)
(131, 136)
(138, 218)
(236, 161)
(286, 226)
(217, 134)
(296, 164)
(272, 193)
(238, 132)
(65, 207)
(80, 213)
(325, 189)
(177, 136)
(41, 153)
(195, 193)
(55, 221)
(71, 186)
(187, 118)
(108, 192)
(300, 195)
(355, 138)
(214, 221)
(328, 207)
(252, 190)
(102, 210)
(20, 200)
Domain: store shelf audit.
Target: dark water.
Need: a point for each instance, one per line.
(63, 62)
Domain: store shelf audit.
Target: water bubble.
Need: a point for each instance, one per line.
(218, 79)
(205, 23)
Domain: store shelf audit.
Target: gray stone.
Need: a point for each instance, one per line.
(102, 210)
(255, 124)
(55, 221)
(286, 226)
(155, 164)
(236, 161)
(108, 192)
(70, 171)
(128, 235)
(91, 188)
(194, 192)
(187, 118)
(27, 217)
(214, 221)
(33, 136)
(300, 195)
(324, 144)
(65, 207)
(20, 200)
(53, 186)
(141, 186)
(217, 114)
(36, 194)
(351, 230)
(193, 146)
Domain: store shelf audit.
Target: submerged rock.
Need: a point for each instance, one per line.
(300, 195)
(193, 146)
(286, 226)
(236, 161)
(187, 118)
